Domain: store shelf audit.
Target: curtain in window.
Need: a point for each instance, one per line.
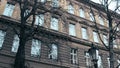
(2, 36)
(39, 20)
(36, 47)
(15, 43)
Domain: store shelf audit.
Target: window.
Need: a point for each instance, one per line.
(73, 56)
(55, 3)
(84, 33)
(36, 47)
(39, 20)
(27, 11)
(15, 43)
(72, 30)
(108, 59)
(53, 52)
(8, 11)
(70, 9)
(99, 62)
(114, 43)
(82, 13)
(118, 63)
(88, 60)
(101, 20)
(54, 23)
(91, 17)
(95, 37)
(2, 37)
(43, 1)
(105, 39)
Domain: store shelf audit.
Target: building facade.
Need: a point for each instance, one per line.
(65, 35)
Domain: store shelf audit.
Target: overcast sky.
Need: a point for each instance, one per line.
(111, 6)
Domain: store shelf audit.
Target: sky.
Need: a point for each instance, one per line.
(111, 6)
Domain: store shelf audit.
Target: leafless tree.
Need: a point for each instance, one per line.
(113, 32)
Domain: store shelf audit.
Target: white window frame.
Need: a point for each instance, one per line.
(82, 13)
(15, 44)
(101, 20)
(88, 60)
(70, 9)
(55, 3)
(95, 37)
(84, 33)
(35, 48)
(54, 23)
(2, 37)
(72, 29)
(8, 11)
(39, 20)
(53, 54)
(74, 58)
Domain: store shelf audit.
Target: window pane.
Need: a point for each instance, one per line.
(88, 59)
(54, 52)
(8, 11)
(15, 43)
(73, 56)
(71, 9)
(105, 39)
(35, 49)
(82, 13)
(101, 20)
(39, 20)
(72, 30)
(91, 17)
(84, 33)
(2, 36)
(95, 37)
(55, 3)
(54, 23)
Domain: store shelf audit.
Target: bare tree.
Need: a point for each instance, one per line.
(113, 32)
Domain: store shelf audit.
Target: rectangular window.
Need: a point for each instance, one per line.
(99, 62)
(53, 52)
(55, 3)
(101, 20)
(8, 11)
(91, 17)
(70, 9)
(15, 43)
(82, 13)
(36, 47)
(54, 23)
(2, 37)
(72, 30)
(73, 56)
(105, 39)
(84, 33)
(108, 60)
(88, 60)
(39, 20)
(95, 37)
(115, 44)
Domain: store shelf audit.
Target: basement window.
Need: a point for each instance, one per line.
(53, 53)
(2, 37)
(8, 11)
(15, 44)
(36, 48)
